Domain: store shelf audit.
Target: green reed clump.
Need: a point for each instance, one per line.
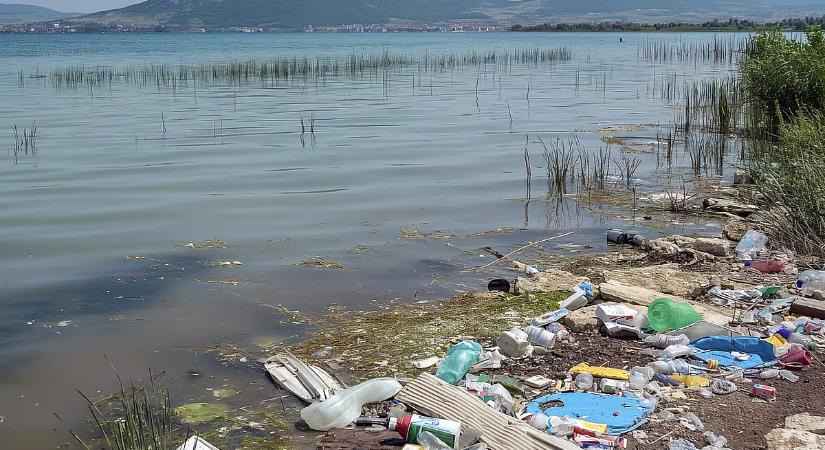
(139, 419)
(298, 67)
(791, 174)
(785, 83)
(783, 76)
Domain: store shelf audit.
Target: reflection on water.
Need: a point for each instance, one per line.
(93, 223)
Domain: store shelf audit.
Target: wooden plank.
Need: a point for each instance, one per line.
(808, 307)
(622, 293)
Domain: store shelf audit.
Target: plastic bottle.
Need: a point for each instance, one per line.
(750, 245)
(410, 426)
(675, 351)
(584, 381)
(344, 407)
(540, 336)
(666, 340)
(662, 367)
(637, 380)
(666, 314)
(458, 361)
(811, 280)
(538, 421)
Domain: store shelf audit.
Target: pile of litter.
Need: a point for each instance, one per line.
(772, 334)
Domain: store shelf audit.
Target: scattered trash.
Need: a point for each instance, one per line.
(309, 383)
(323, 353)
(619, 413)
(615, 312)
(575, 301)
(458, 361)
(426, 362)
(764, 392)
(513, 343)
(665, 314)
(788, 375)
(196, 443)
(811, 280)
(537, 381)
(345, 406)
(722, 387)
(752, 243)
(601, 372)
(498, 284)
(550, 317)
(422, 430)
(681, 444)
(584, 381)
(714, 440)
(540, 336)
(721, 348)
(769, 265)
(691, 422)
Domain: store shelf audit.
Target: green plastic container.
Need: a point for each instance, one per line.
(665, 314)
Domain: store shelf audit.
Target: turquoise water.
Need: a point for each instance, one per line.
(93, 226)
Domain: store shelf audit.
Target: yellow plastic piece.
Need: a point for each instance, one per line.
(601, 372)
(777, 340)
(597, 427)
(691, 381)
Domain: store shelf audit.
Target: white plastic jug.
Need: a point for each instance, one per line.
(344, 407)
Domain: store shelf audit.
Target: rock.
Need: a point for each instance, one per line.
(582, 319)
(549, 281)
(734, 229)
(714, 246)
(808, 307)
(805, 422)
(728, 206)
(661, 247)
(667, 278)
(785, 439)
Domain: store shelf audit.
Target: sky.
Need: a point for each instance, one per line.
(76, 5)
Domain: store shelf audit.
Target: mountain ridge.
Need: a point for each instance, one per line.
(11, 13)
(294, 14)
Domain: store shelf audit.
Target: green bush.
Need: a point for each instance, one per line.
(784, 77)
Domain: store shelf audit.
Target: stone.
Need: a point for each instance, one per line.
(734, 229)
(661, 247)
(714, 246)
(548, 281)
(785, 439)
(805, 422)
(666, 278)
(582, 319)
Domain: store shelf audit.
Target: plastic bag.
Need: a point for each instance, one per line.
(722, 387)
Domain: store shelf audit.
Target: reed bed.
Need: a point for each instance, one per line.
(720, 50)
(298, 67)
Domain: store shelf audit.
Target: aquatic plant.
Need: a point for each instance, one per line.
(284, 68)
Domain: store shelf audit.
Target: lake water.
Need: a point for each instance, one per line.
(94, 225)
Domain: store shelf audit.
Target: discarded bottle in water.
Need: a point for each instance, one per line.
(750, 245)
(458, 361)
(345, 406)
(811, 280)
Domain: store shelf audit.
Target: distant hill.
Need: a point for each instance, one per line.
(298, 14)
(15, 13)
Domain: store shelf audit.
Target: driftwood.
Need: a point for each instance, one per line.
(722, 205)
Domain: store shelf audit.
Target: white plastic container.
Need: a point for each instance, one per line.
(344, 407)
(540, 336)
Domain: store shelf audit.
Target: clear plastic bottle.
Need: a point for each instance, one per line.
(458, 361)
(811, 280)
(666, 340)
(584, 381)
(344, 407)
(675, 351)
(750, 245)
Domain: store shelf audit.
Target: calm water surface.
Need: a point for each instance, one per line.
(93, 227)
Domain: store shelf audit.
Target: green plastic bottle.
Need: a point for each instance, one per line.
(665, 314)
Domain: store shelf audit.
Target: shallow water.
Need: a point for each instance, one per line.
(93, 226)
